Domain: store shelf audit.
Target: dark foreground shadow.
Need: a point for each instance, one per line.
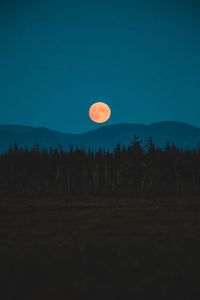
(130, 251)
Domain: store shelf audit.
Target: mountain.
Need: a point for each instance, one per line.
(106, 137)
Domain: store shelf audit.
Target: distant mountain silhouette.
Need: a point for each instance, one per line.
(105, 137)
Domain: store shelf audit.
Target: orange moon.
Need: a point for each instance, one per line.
(99, 112)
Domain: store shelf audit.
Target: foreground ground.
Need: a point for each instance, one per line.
(61, 249)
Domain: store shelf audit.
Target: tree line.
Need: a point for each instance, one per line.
(133, 171)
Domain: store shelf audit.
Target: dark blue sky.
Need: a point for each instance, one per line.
(58, 57)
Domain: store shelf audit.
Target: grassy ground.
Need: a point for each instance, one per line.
(58, 249)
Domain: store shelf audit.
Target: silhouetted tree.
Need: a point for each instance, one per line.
(133, 171)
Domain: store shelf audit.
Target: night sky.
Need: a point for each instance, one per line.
(58, 57)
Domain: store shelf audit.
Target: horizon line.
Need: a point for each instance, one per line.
(100, 126)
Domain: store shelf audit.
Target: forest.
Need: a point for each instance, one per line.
(134, 171)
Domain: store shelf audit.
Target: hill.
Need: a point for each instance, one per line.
(105, 137)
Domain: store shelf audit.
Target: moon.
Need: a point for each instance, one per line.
(99, 112)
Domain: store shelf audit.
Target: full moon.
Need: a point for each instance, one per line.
(99, 112)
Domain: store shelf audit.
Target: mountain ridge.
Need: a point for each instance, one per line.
(106, 137)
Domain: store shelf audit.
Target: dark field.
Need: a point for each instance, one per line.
(61, 249)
